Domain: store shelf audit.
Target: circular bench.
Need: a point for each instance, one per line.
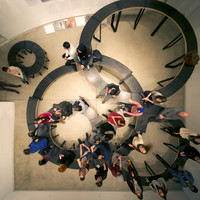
(18, 52)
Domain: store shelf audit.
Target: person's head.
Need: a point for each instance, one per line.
(82, 173)
(162, 192)
(121, 122)
(140, 110)
(62, 167)
(197, 159)
(161, 99)
(119, 173)
(58, 112)
(192, 187)
(5, 69)
(99, 181)
(196, 140)
(27, 151)
(66, 45)
(142, 149)
(139, 194)
(42, 161)
(113, 92)
(31, 134)
(81, 48)
(184, 114)
(78, 108)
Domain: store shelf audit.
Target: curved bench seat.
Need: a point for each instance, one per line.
(31, 47)
(181, 22)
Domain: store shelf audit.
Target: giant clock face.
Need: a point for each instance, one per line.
(116, 68)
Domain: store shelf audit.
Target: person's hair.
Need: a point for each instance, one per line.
(58, 112)
(193, 189)
(99, 184)
(164, 190)
(62, 167)
(146, 147)
(82, 179)
(192, 139)
(140, 196)
(66, 45)
(119, 173)
(84, 163)
(27, 151)
(5, 69)
(78, 108)
(42, 162)
(191, 58)
(113, 92)
(31, 134)
(121, 122)
(162, 98)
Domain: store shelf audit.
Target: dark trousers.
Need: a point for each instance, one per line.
(4, 85)
(70, 63)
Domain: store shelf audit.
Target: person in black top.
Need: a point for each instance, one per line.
(187, 151)
(65, 160)
(106, 131)
(101, 174)
(84, 57)
(110, 91)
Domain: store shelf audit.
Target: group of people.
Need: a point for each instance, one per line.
(82, 55)
(96, 151)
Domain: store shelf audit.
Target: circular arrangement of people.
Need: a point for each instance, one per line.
(117, 142)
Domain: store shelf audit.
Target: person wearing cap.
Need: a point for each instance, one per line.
(69, 55)
(170, 113)
(65, 160)
(80, 105)
(133, 109)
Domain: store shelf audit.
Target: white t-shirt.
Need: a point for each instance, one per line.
(71, 51)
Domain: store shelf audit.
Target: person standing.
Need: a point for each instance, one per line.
(69, 55)
(16, 71)
(3, 86)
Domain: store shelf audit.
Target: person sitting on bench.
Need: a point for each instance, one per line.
(115, 118)
(81, 105)
(69, 55)
(110, 91)
(153, 97)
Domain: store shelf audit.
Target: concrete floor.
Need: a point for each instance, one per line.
(137, 50)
